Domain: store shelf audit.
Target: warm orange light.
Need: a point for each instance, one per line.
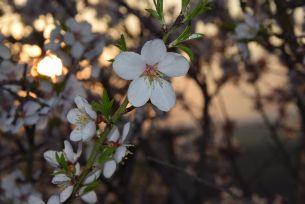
(50, 66)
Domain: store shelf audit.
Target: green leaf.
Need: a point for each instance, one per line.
(154, 14)
(184, 4)
(187, 50)
(90, 187)
(159, 8)
(201, 6)
(106, 154)
(61, 161)
(122, 44)
(184, 35)
(158, 13)
(104, 105)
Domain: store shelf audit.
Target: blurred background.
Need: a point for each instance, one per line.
(235, 135)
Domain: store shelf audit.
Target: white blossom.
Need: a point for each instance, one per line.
(84, 118)
(120, 152)
(148, 71)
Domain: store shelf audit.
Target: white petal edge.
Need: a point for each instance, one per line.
(120, 153)
(89, 197)
(60, 178)
(80, 102)
(68, 150)
(73, 115)
(163, 95)
(129, 65)
(153, 51)
(54, 199)
(114, 134)
(50, 157)
(174, 65)
(35, 200)
(139, 92)
(92, 177)
(76, 134)
(109, 168)
(66, 193)
(125, 132)
(89, 131)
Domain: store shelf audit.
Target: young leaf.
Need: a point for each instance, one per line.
(202, 6)
(104, 105)
(187, 50)
(61, 161)
(184, 35)
(91, 187)
(159, 8)
(184, 4)
(106, 154)
(154, 14)
(122, 44)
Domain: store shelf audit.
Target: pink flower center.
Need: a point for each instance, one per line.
(151, 71)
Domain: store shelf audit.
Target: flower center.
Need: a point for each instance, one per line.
(151, 72)
(83, 119)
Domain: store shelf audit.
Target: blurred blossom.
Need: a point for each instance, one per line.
(16, 189)
(248, 29)
(50, 66)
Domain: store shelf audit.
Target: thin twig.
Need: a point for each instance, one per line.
(196, 178)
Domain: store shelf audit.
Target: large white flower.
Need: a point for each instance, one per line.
(120, 152)
(248, 29)
(148, 71)
(84, 118)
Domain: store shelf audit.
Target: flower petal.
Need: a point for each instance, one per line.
(60, 178)
(139, 92)
(92, 177)
(73, 115)
(174, 65)
(125, 132)
(68, 151)
(90, 111)
(76, 134)
(80, 102)
(35, 200)
(69, 38)
(89, 131)
(120, 153)
(113, 135)
(109, 168)
(77, 169)
(54, 199)
(31, 120)
(50, 157)
(153, 51)
(89, 197)
(77, 50)
(129, 65)
(65, 194)
(163, 95)
(4, 52)
(72, 24)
